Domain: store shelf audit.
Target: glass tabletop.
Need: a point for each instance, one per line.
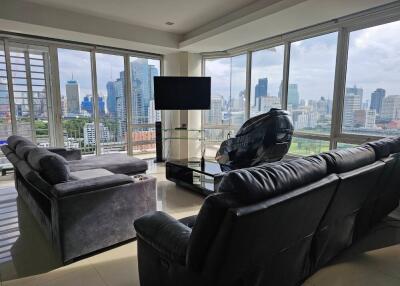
(210, 168)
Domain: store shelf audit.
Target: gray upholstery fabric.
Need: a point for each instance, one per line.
(88, 185)
(82, 216)
(52, 167)
(6, 150)
(33, 177)
(68, 154)
(116, 163)
(102, 218)
(13, 158)
(14, 140)
(89, 174)
(23, 148)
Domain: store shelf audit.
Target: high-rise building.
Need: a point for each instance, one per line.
(121, 110)
(87, 105)
(214, 115)
(376, 99)
(293, 95)
(142, 89)
(89, 133)
(352, 102)
(111, 99)
(72, 90)
(261, 90)
(364, 118)
(390, 108)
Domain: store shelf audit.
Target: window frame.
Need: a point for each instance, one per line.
(343, 26)
(54, 96)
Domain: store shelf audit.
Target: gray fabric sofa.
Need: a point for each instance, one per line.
(82, 205)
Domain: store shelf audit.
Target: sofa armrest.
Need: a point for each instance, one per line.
(68, 154)
(88, 185)
(165, 234)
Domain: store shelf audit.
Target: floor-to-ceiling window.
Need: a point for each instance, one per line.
(5, 109)
(372, 90)
(29, 67)
(266, 80)
(310, 90)
(228, 100)
(75, 75)
(144, 116)
(111, 102)
(339, 81)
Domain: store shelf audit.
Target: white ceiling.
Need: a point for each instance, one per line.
(186, 14)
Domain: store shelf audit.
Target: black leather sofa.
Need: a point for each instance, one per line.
(274, 224)
(80, 208)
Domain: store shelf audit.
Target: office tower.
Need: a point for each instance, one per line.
(390, 108)
(352, 102)
(376, 99)
(121, 111)
(111, 99)
(269, 102)
(214, 115)
(86, 104)
(102, 106)
(140, 86)
(322, 106)
(237, 102)
(261, 90)
(293, 95)
(72, 90)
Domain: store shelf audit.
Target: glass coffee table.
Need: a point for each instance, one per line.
(190, 174)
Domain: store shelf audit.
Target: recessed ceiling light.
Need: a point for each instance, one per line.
(169, 23)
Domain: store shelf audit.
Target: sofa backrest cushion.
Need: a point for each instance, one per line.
(14, 140)
(344, 160)
(33, 177)
(394, 143)
(52, 167)
(266, 181)
(381, 147)
(23, 148)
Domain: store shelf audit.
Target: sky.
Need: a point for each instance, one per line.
(76, 64)
(374, 62)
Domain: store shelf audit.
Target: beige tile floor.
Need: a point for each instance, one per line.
(25, 258)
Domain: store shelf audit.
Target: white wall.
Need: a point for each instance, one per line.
(182, 64)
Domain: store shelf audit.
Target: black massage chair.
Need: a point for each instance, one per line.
(265, 138)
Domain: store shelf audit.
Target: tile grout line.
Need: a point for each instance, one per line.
(98, 273)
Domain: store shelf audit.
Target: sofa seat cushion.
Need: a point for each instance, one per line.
(52, 167)
(88, 174)
(269, 180)
(345, 160)
(115, 163)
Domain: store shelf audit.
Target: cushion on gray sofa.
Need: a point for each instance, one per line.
(116, 163)
(14, 140)
(89, 185)
(23, 148)
(52, 167)
(88, 174)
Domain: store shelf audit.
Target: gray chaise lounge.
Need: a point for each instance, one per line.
(81, 205)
